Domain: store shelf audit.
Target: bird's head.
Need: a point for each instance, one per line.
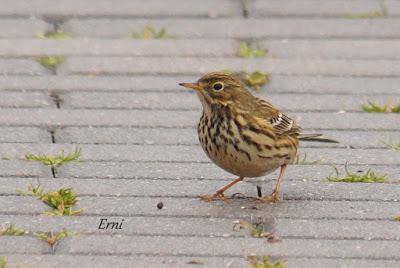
(217, 88)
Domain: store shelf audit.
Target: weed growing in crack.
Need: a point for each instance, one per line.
(52, 238)
(60, 201)
(149, 32)
(256, 230)
(264, 262)
(245, 8)
(57, 35)
(56, 160)
(372, 107)
(304, 161)
(369, 15)
(368, 177)
(11, 230)
(3, 262)
(254, 80)
(245, 51)
(392, 145)
(50, 62)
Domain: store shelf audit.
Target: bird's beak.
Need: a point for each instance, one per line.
(194, 86)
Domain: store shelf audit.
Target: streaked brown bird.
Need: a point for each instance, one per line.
(242, 134)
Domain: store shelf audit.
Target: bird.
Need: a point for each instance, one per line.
(245, 135)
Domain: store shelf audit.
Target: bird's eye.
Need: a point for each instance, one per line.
(218, 86)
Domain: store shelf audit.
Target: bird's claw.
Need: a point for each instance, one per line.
(213, 197)
(272, 198)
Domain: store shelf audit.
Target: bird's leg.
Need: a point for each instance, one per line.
(274, 196)
(219, 194)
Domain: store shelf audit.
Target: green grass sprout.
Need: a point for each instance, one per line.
(149, 32)
(245, 8)
(60, 201)
(368, 177)
(376, 108)
(255, 230)
(57, 35)
(245, 51)
(11, 230)
(53, 238)
(254, 80)
(304, 161)
(392, 145)
(56, 160)
(3, 262)
(369, 15)
(50, 62)
(264, 262)
(35, 191)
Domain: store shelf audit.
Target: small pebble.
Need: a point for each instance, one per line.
(160, 205)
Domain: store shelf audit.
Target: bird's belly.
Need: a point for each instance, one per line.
(243, 162)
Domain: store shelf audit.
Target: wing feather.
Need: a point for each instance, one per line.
(279, 122)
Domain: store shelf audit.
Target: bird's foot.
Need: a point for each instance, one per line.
(272, 198)
(216, 196)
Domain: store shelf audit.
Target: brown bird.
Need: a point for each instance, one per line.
(242, 134)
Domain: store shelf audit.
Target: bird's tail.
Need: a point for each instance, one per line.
(315, 137)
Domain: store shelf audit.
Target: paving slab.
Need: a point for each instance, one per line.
(120, 8)
(189, 101)
(196, 48)
(18, 28)
(392, 7)
(21, 66)
(12, 168)
(327, 49)
(306, 49)
(211, 246)
(63, 260)
(24, 134)
(291, 28)
(338, 8)
(279, 84)
(213, 227)
(122, 245)
(25, 100)
(173, 261)
(196, 66)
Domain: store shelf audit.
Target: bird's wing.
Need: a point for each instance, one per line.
(280, 123)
